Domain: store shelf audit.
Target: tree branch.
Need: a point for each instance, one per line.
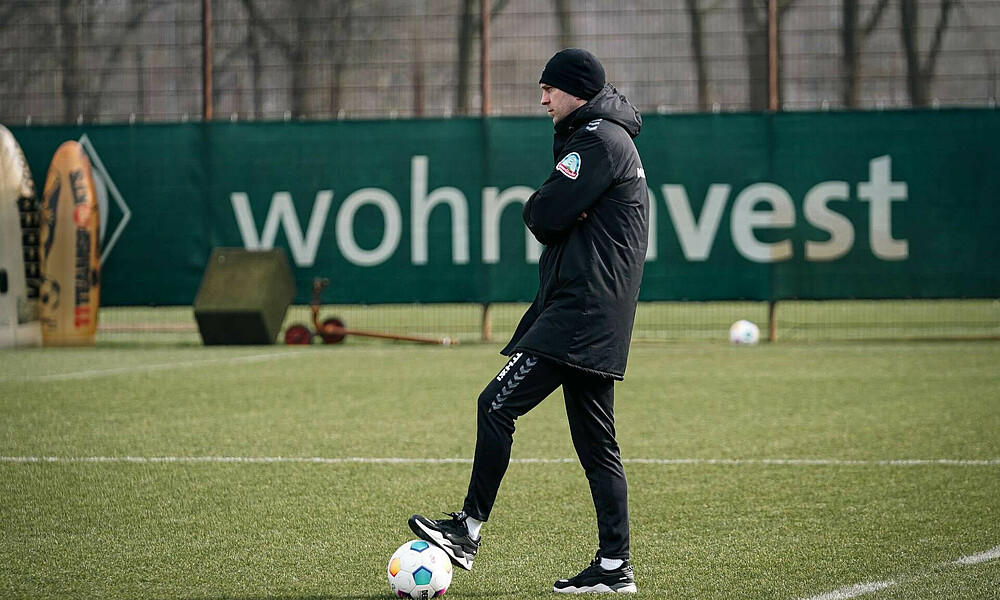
(30, 72)
(752, 13)
(875, 17)
(498, 6)
(255, 21)
(942, 25)
(133, 23)
(783, 6)
(226, 60)
(713, 6)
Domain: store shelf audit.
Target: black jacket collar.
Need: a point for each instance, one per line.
(608, 104)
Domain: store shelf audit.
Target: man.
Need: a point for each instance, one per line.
(592, 216)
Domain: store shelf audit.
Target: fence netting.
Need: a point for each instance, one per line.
(63, 61)
(118, 61)
(794, 321)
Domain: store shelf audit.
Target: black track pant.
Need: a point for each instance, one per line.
(522, 384)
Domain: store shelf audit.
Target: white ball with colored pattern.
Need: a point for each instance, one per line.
(419, 570)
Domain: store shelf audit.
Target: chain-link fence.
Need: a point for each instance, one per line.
(122, 60)
(100, 61)
(798, 321)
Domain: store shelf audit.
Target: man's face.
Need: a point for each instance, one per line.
(558, 103)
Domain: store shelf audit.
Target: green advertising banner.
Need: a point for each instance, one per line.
(745, 206)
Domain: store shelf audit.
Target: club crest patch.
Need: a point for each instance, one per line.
(570, 165)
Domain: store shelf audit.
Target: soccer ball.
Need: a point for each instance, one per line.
(419, 570)
(744, 333)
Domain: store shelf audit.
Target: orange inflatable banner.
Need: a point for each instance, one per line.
(70, 253)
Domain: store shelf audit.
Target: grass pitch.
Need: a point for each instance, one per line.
(789, 470)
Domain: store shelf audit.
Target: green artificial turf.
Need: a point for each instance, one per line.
(778, 471)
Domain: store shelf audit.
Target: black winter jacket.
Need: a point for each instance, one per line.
(590, 269)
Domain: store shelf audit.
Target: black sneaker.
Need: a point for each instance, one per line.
(451, 535)
(595, 580)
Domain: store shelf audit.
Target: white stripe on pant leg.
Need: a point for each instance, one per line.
(515, 379)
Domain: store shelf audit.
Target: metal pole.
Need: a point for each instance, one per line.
(484, 56)
(418, 59)
(772, 321)
(206, 50)
(487, 325)
(773, 106)
(772, 55)
(484, 87)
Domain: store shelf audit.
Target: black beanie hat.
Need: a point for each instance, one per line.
(574, 71)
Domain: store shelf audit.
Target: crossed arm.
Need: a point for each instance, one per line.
(562, 202)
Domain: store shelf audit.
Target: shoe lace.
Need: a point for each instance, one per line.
(459, 516)
(595, 565)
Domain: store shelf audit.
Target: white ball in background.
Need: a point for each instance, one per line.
(744, 333)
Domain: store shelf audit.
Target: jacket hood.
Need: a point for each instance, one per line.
(611, 105)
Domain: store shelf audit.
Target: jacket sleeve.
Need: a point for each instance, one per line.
(572, 187)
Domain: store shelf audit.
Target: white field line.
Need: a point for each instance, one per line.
(522, 461)
(814, 462)
(90, 374)
(230, 459)
(844, 593)
(982, 557)
(853, 591)
(860, 589)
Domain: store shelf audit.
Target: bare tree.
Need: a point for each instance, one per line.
(466, 34)
(920, 73)
(696, 18)
(336, 48)
(564, 20)
(420, 17)
(313, 49)
(71, 76)
(468, 29)
(255, 40)
(853, 37)
(83, 96)
(306, 99)
(25, 67)
(139, 14)
(71, 29)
